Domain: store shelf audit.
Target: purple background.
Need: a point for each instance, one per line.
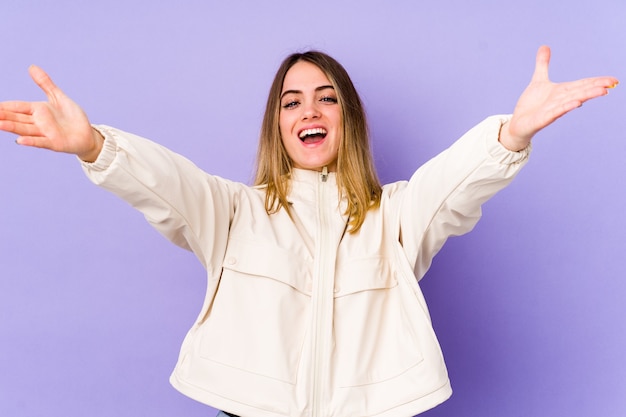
(529, 307)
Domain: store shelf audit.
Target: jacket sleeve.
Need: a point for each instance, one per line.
(444, 196)
(189, 207)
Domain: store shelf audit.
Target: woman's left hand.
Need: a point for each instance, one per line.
(543, 101)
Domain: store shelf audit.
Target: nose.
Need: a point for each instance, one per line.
(310, 111)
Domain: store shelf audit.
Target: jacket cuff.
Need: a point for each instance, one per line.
(497, 151)
(108, 152)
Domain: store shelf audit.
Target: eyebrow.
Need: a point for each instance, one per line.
(320, 88)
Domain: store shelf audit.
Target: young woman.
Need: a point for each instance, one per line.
(313, 306)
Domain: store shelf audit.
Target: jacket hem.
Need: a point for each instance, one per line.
(218, 402)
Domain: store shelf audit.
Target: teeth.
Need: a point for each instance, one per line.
(316, 131)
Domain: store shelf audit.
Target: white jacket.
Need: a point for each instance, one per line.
(302, 318)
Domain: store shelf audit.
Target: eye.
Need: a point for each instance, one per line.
(290, 104)
(328, 99)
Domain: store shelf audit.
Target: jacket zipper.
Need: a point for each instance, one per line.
(321, 305)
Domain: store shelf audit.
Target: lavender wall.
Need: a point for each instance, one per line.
(529, 307)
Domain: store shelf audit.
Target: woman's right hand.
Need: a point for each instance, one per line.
(58, 124)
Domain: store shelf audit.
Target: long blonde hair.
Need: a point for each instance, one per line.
(356, 175)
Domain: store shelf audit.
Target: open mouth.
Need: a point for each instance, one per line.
(310, 136)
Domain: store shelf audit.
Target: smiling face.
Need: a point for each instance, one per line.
(310, 118)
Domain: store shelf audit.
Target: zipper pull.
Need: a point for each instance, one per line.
(324, 174)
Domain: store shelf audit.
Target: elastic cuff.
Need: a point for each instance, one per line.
(108, 152)
(497, 150)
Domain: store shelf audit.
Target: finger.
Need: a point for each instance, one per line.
(606, 82)
(592, 93)
(14, 123)
(19, 128)
(589, 88)
(14, 114)
(43, 80)
(19, 117)
(21, 107)
(34, 141)
(592, 88)
(542, 61)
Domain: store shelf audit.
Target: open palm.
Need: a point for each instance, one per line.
(58, 124)
(544, 101)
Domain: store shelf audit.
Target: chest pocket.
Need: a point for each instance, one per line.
(372, 333)
(359, 275)
(259, 316)
(266, 261)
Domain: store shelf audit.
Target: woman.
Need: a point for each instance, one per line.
(313, 305)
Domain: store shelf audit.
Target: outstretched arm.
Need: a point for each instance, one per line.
(543, 101)
(58, 124)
